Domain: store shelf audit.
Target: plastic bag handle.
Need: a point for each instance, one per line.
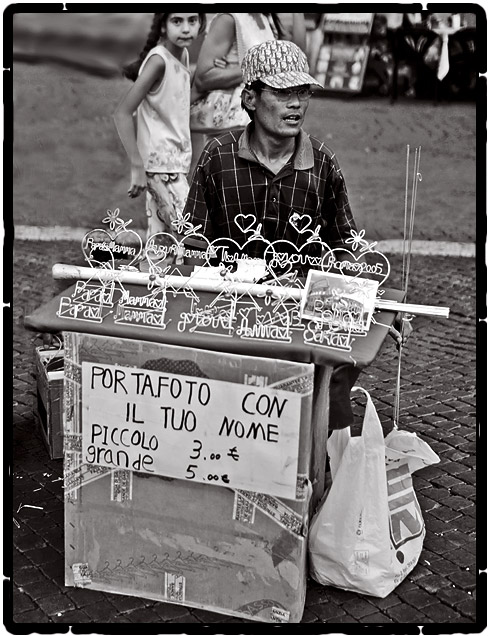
(372, 428)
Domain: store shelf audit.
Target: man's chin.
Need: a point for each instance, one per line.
(290, 132)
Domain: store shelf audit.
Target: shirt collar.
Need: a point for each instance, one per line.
(302, 158)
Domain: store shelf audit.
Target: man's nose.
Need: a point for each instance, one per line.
(293, 99)
(186, 26)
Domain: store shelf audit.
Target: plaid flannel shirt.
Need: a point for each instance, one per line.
(229, 180)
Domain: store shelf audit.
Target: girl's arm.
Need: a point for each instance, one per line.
(216, 45)
(151, 75)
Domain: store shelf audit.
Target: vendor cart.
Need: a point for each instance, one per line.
(204, 509)
(196, 410)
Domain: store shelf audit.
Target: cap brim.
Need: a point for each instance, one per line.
(290, 79)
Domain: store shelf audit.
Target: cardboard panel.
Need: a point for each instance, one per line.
(49, 371)
(232, 551)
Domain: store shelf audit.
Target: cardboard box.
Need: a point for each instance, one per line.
(213, 547)
(50, 374)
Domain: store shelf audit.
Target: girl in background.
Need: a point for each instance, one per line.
(158, 143)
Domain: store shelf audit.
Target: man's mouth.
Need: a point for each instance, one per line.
(293, 118)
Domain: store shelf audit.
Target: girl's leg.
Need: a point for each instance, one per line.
(166, 198)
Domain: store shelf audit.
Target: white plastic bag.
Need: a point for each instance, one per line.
(368, 533)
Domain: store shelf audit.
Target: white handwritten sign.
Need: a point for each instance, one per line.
(191, 428)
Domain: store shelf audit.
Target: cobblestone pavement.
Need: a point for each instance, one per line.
(437, 402)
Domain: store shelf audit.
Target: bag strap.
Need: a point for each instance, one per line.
(371, 422)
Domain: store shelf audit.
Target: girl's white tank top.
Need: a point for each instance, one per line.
(163, 117)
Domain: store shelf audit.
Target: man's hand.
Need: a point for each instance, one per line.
(401, 330)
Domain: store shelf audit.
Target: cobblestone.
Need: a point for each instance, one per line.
(439, 590)
(327, 612)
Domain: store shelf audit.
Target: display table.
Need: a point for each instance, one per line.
(232, 546)
(214, 337)
(56, 316)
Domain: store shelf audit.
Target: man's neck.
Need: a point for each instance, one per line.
(273, 153)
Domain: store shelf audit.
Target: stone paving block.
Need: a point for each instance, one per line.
(468, 477)
(407, 584)
(455, 455)
(41, 523)
(225, 619)
(426, 503)
(39, 589)
(21, 601)
(468, 608)
(461, 540)
(71, 617)
(427, 557)
(439, 544)
(418, 598)
(54, 571)
(378, 617)
(100, 612)
(446, 514)
(126, 603)
(339, 595)
(44, 555)
(34, 616)
(406, 614)
(470, 544)
(315, 593)
(358, 608)
(461, 557)
(432, 473)
(309, 616)
(453, 595)
(82, 596)
(28, 574)
(443, 567)
(327, 612)
(468, 447)
(143, 615)
(19, 560)
(347, 618)
(172, 612)
(441, 613)
(55, 604)
(54, 537)
(206, 616)
(28, 541)
(433, 583)
(118, 618)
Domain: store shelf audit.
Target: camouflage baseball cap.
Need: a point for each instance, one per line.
(277, 63)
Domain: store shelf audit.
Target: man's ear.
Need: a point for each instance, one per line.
(248, 98)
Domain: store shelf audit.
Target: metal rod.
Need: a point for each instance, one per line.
(416, 176)
(405, 213)
(62, 271)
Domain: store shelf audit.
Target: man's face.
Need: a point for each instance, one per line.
(280, 112)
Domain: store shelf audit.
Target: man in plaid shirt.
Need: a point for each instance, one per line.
(273, 171)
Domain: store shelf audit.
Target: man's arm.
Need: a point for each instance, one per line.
(197, 209)
(336, 210)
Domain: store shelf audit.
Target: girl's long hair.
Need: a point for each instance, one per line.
(131, 71)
